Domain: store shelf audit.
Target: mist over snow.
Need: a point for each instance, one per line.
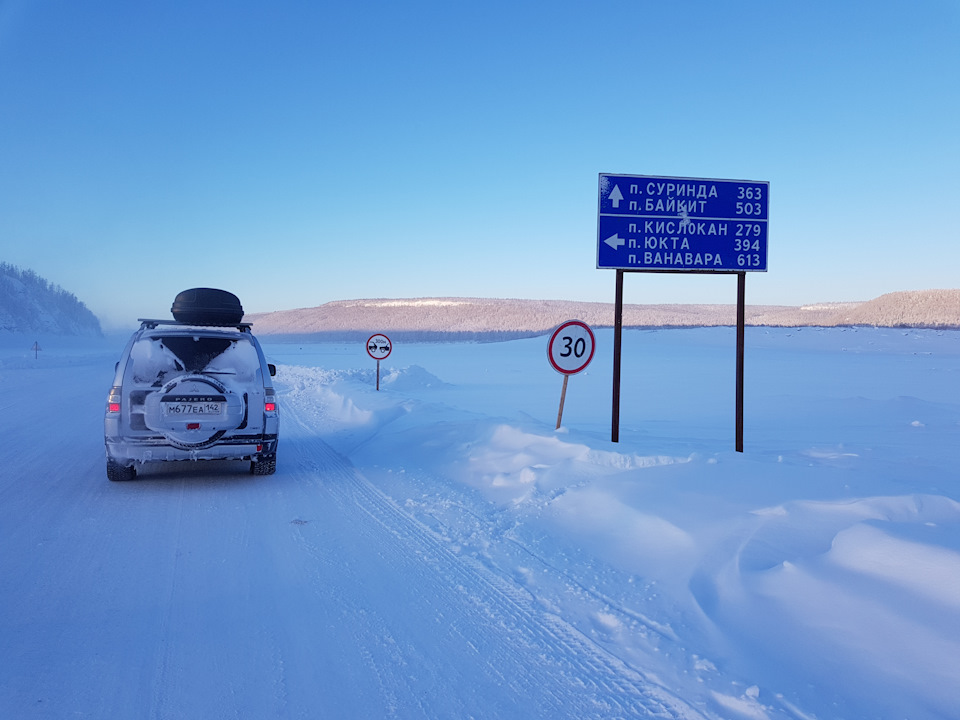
(437, 549)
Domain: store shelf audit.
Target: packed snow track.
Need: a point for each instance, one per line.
(200, 591)
(438, 549)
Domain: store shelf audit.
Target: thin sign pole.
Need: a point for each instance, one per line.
(378, 376)
(563, 397)
(617, 337)
(741, 333)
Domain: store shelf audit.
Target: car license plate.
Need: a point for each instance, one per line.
(193, 408)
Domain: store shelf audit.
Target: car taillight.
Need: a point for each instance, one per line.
(269, 403)
(113, 400)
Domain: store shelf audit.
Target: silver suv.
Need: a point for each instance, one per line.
(197, 388)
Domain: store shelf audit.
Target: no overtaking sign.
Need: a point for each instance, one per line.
(379, 348)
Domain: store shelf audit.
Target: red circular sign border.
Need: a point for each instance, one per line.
(593, 347)
(367, 346)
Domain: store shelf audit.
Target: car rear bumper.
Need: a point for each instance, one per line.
(158, 449)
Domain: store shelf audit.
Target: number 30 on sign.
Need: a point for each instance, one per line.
(571, 347)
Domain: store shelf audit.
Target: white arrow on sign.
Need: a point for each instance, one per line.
(615, 241)
(616, 196)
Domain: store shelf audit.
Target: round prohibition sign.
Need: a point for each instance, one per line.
(379, 347)
(571, 347)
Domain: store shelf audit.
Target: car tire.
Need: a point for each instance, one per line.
(120, 473)
(264, 465)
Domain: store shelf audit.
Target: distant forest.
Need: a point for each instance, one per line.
(29, 303)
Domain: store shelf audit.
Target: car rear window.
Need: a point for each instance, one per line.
(156, 359)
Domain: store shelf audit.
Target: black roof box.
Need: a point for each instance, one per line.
(207, 306)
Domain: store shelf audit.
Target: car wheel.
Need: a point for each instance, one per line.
(120, 473)
(264, 465)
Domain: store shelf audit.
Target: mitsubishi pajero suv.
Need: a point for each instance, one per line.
(197, 387)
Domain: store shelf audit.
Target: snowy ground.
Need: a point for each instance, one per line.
(436, 549)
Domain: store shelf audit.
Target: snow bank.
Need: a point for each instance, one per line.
(769, 584)
(437, 549)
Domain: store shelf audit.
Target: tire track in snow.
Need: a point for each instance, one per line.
(448, 619)
(160, 698)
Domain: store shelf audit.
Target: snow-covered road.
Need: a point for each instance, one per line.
(436, 549)
(200, 591)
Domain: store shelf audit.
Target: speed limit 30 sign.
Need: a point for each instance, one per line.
(571, 347)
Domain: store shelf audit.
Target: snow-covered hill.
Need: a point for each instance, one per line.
(929, 308)
(30, 304)
(499, 319)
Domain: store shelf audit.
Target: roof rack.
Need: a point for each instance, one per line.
(149, 324)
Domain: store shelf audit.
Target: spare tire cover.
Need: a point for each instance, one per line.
(193, 411)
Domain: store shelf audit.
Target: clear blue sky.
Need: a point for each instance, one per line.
(302, 152)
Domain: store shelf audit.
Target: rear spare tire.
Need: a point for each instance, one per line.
(194, 411)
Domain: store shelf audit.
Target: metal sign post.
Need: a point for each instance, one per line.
(379, 348)
(681, 225)
(617, 344)
(741, 342)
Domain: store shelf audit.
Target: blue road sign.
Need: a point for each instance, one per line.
(677, 224)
